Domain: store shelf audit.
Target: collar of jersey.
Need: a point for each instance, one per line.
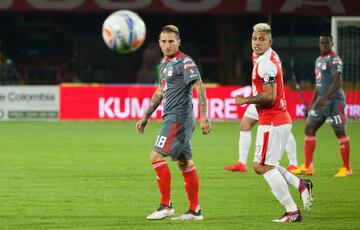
(331, 54)
(265, 54)
(177, 54)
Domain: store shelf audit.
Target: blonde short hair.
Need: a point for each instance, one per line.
(262, 27)
(171, 28)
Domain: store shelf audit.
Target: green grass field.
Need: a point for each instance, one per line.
(97, 175)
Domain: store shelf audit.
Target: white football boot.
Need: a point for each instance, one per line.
(306, 193)
(189, 215)
(162, 212)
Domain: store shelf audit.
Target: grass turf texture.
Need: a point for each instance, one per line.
(97, 175)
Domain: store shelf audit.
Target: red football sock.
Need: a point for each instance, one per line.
(344, 145)
(164, 180)
(191, 181)
(309, 148)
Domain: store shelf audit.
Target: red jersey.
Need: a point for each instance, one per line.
(266, 66)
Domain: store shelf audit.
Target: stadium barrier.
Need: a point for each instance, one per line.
(129, 102)
(29, 102)
(109, 102)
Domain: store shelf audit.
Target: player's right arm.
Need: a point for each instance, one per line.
(267, 72)
(336, 84)
(154, 103)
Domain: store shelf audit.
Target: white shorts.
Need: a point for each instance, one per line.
(251, 112)
(270, 143)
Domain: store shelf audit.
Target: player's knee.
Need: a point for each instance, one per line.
(181, 164)
(155, 156)
(340, 132)
(184, 163)
(245, 126)
(309, 131)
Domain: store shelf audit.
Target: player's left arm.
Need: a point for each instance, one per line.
(201, 94)
(265, 98)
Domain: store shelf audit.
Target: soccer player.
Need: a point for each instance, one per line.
(248, 121)
(328, 101)
(178, 75)
(274, 125)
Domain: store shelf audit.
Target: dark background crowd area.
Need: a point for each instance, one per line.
(56, 47)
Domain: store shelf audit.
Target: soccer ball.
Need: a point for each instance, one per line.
(124, 31)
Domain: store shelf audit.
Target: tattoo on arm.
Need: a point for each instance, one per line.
(201, 93)
(266, 97)
(154, 103)
(258, 99)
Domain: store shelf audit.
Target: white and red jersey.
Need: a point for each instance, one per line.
(265, 67)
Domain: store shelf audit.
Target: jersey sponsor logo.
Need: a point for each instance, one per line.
(187, 60)
(336, 61)
(323, 66)
(339, 69)
(313, 113)
(170, 73)
(189, 65)
(193, 74)
(318, 78)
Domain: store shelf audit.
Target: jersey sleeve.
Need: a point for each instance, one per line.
(267, 71)
(190, 70)
(336, 66)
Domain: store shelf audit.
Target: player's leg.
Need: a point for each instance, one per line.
(310, 142)
(339, 127)
(304, 186)
(290, 178)
(191, 182)
(164, 184)
(246, 125)
(182, 153)
(163, 175)
(250, 118)
(269, 140)
(313, 123)
(290, 149)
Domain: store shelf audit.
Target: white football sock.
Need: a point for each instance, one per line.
(280, 189)
(290, 149)
(244, 146)
(290, 178)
